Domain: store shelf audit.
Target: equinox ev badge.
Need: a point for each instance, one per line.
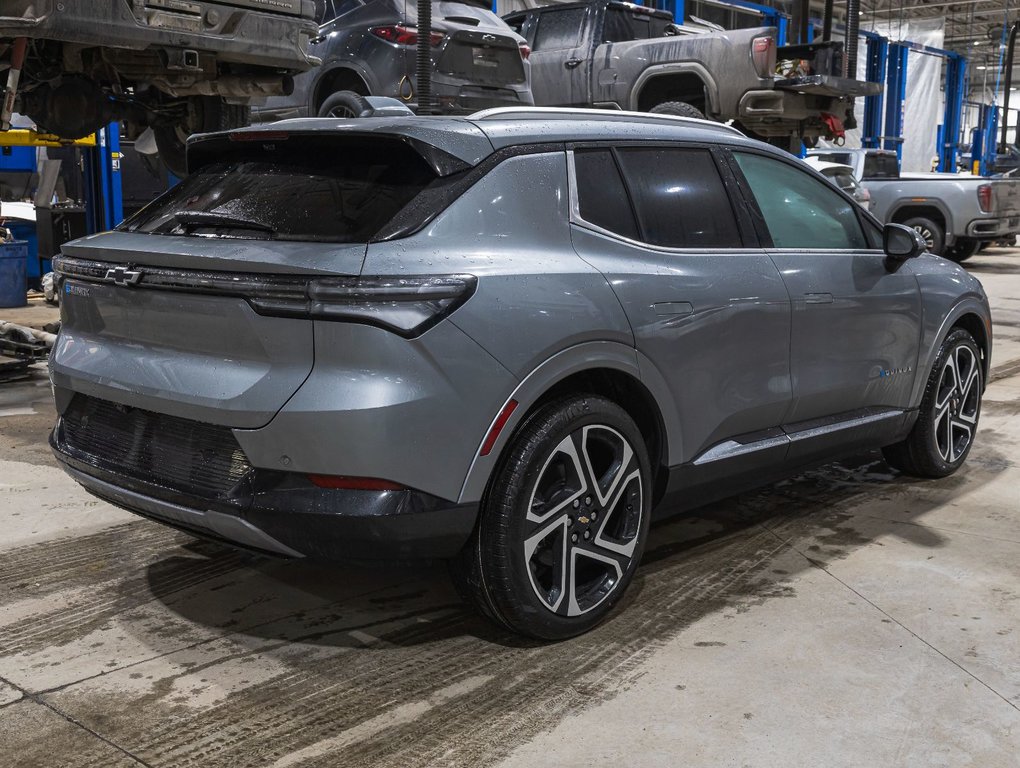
(122, 276)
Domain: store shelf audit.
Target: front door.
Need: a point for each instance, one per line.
(856, 316)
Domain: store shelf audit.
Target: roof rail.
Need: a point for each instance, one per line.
(615, 115)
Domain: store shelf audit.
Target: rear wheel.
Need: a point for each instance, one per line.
(933, 234)
(679, 108)
(948, 417)
(343, 104)
(564, 522)
(962, 250)
(204, 113)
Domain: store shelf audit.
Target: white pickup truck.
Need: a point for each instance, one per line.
(955, 213)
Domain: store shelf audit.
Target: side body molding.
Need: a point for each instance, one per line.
(587, 356)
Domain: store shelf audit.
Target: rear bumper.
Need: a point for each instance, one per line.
(282, 514)
(992, 229)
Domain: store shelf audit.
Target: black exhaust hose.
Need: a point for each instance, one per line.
(1010, 50)
(827, 22)
(423, 68)
(853, 28)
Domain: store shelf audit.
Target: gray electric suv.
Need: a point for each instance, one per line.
(508, 340)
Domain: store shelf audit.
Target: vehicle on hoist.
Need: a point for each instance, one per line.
(175, 66)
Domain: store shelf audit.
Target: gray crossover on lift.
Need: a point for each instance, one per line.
(507, 340)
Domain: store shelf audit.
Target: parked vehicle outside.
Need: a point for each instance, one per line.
(842, 176)
(956, 214)
(368, 48)
(458, 339)
(617, 55)
(175, 67)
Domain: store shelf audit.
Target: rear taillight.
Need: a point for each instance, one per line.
(985, 198)
(525, 50)
(763, 55)
(402, 35)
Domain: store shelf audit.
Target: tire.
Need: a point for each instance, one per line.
(947, 421)
(344, 104)
(679, 108)
(205, 113)
(962, 250)
(931, 231)
(543, 514)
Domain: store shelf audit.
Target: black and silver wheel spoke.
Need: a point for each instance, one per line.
(585, 515)
(926, 234)
(957, 399)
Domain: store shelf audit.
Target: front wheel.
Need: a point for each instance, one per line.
(948, 417)
(343, 104)
(564, 521)
(933, 234)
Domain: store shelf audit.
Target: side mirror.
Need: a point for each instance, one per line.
(901, 242)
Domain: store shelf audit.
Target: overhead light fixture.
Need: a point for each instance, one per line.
(981, 66)
(978, 42)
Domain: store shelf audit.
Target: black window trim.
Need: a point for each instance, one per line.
(864, 218)
(750, 240)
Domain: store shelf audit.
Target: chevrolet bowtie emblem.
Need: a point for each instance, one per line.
(122, 276)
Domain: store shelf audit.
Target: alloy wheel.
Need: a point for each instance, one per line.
(583, 520)
(926, 234)
(342, 110)
(957, 400)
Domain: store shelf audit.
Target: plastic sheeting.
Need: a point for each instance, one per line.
(924, 106)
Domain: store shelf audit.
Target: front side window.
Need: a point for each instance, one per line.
(679, 198)
(799, 210)
(558, 30)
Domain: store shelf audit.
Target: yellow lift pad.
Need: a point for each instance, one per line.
(21, 137)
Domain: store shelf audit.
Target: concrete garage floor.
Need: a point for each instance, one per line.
(849, 617)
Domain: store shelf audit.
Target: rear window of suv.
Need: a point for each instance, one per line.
(343, 193)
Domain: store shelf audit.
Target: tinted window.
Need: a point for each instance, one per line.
(601, 194)
(622, 25)
(680, 198)
(800, 210)
(341, 192)
(881, 166)
(559, 29)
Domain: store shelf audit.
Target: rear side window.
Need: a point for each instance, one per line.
(601, 194)
(800, 210)
(559, 29)
(304, 189)
(679, 198)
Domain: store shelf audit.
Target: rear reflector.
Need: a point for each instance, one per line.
(341, 482)
(763, 55)
(497, 426)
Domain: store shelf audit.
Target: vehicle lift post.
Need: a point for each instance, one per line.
(104, 202)
(896, 92)
(877, 59)
(956, 89)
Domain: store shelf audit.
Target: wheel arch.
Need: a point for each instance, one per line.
(688, 82)
(969, 315)
(610, 369)
(342, 77)
(904, 210)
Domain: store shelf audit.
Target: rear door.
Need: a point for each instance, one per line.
(856, 317)
(708, 308)
(561, 55)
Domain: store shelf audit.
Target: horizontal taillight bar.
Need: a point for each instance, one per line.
(408, 306)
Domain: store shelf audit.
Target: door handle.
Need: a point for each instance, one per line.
(571, 63)
(673, 308)
(817, 298)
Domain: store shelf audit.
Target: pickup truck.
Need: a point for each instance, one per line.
(955, 213)
(616, 55)
(176, 66)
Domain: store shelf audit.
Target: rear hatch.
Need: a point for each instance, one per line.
(480, 48)
(200, 305)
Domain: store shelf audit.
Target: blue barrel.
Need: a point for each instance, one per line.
(13, 282)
